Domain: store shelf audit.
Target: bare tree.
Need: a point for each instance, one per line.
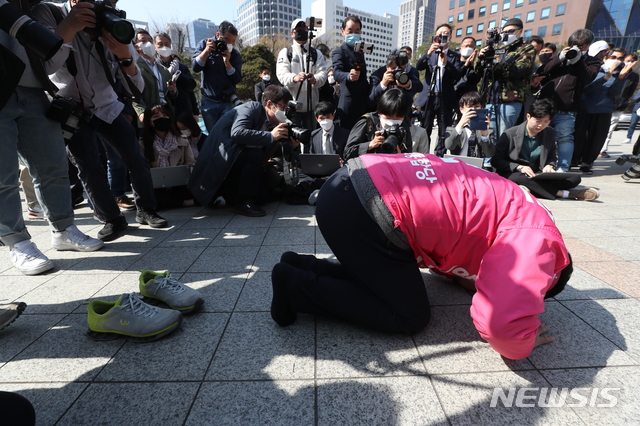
(177, 30)
(275, 43)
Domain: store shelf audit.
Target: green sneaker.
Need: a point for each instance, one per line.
(160, 286)
(130, 316)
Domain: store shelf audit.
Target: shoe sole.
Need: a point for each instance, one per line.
(249, 215)
(153, 301)
(145, 222)
(19, 310)
(113, 236)
(105, 336)
(76, 248)
(44, 268)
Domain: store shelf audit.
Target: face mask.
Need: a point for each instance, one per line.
(331, 79)
(147, 48)
(186, 133)
(281, 115)
(466, 51)
(352, 39)
(266, 77)
(386, 123)
(544, 57)
(162, 124)
(164, 52)
(508, 39)
(326, 124)
(301, 35)
(628, 63)
(229, 47)
(610, 63)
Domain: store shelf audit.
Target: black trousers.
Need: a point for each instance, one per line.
(373, 283)
(435, 107)
(244, 179)
(546, 189)
(590, 134)
(16, 410)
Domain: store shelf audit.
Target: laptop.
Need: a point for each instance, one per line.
(319, 164)
(474, 161)
(168, 177)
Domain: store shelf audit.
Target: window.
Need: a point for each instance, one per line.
(561, 9)
(460, 16)
(472, 1)
(557, 29)
(545, 12)
(533, 1)
(527, 33)
(492, 24)
(469, 29)
(519, 3)
(482, 11)
(506, 5)
(480, 27)
(461, 3)
(452, 4)
(531, 16)
(450, 20)
(494, 8)
(518, 16)
(542, 31)
(458, 32)
(471, 13)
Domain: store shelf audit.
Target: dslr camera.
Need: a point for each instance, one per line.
(68, 113)
(230, 96)
(298, 133)
(112, 20)
(393, 137)
(220, 44)
(399, 74)
(571, 56)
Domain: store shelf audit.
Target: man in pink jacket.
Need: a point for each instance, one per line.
(386, 216)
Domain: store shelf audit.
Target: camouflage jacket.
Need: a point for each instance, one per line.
(512, 75)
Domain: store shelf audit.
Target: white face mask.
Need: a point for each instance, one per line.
(266, 77)
(386, 123)
(326, 124)
(186, 133)
(281, 115)
(508, 39)
(164, 51)
(331, 79)
(466, 51)
(229, 47)
(610, 63)
(147, 48)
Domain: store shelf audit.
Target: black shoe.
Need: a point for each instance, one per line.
(248, 209)
(281, 311)
(586, 170)
(113, 229)
(151, 218)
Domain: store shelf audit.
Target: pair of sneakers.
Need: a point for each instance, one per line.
(130, 316)
(26, 256)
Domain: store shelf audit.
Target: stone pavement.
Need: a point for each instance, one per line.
(231, 364)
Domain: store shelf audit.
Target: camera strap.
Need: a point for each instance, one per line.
(135, 93)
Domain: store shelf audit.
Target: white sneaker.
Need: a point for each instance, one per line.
(72, 239)
(35, 212)
(627, 140)
(29, 259)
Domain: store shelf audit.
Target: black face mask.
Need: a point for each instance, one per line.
(162, 124)
(301, 35)
(544, 57)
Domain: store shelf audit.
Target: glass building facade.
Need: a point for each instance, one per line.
(617, 21)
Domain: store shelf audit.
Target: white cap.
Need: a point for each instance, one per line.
(295, 23)
(598, 47)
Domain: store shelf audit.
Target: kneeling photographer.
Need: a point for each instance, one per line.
(387, 130)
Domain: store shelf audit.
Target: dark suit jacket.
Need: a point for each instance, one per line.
(452, 73)
(340, 136)
(186, 84)
(259, 89)
(353, 94)
(507, 157)
(151, 94)
(377, 91)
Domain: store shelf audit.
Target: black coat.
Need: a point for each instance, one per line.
(259, 89)
(452, 73)
(377, 91)
(186, 99)
(364, 131)
(339, 141)
(353, 94)
(507, 156)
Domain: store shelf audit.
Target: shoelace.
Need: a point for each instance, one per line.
(75, 235)
(138, 307)
(171, 284)
(30, 251)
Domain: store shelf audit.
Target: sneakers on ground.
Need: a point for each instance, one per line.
(561, 170)
(604, 154)
(248, 208)
(72, 239)
(151, 218)
(160, 285)
(29, 259)
(313, 198)
(125, 203)
(588, 194)
(35, 212)
(130, 316)
(9, 313)
(586, 169)
(626, 141)
(113, 229)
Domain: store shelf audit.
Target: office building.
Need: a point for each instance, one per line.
(416, 19)
(198, 30)
(257, 18)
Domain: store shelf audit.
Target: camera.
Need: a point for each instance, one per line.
(221, 45)
(571, 56)
(30, 34)
(313, 23)
(401, 76)
(68, 113)
(393, 137)
(442, 40)
(634, 171)
(230, 96)
(112, 20)
(298, 133)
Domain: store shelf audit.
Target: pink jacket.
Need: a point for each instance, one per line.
(463, 221)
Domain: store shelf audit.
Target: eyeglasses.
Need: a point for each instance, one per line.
(284, 107)
(615, 57)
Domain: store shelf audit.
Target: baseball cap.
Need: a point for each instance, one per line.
(598, 47)
(295, 23)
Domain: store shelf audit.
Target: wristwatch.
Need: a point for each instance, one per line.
(125, 62)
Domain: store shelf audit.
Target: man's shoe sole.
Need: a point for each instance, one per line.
(248, 214)
(113, 236)
(103, 336)
(145, 222)
(76, 248)
(44, 268)
(19, 310)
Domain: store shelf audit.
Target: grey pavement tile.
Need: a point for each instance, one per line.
(15, 286)
(623, 247)
(576, 345)
(323, 251)
(617, 320)
(287, 219)
(182, 211)
(111, 259)
(132, 404)
(256, 293)
(467, 400)
(302, 210)
(62, 354)
(277, 403)
(235, 237)
(50, 400)
(225, 259)
(60, 295)
(585, 286)
(23, 332)
(443, 291)
(66, 260)
(172, 259)
(595, 229)
(182, 356)
(219, 290)
(191, 238)
(269, 256)
(451, 344)
(290, 236)
(126, 282)
(212, 219)
(379, 401)
(254, 347)
(241, 222)
(609, 396)
(343, 350)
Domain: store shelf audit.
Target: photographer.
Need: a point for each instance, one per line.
(385, 131)
(292, 72)
(28, 135)
(395, 74)
(438, 99)
(221, 67)
(232, 158)
(461, 139)
(88, 76)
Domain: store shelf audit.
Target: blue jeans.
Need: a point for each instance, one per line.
(27, 135)
(116, 172)
(212, 111)
(507, 116)
(632, 124)
(564, 123)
